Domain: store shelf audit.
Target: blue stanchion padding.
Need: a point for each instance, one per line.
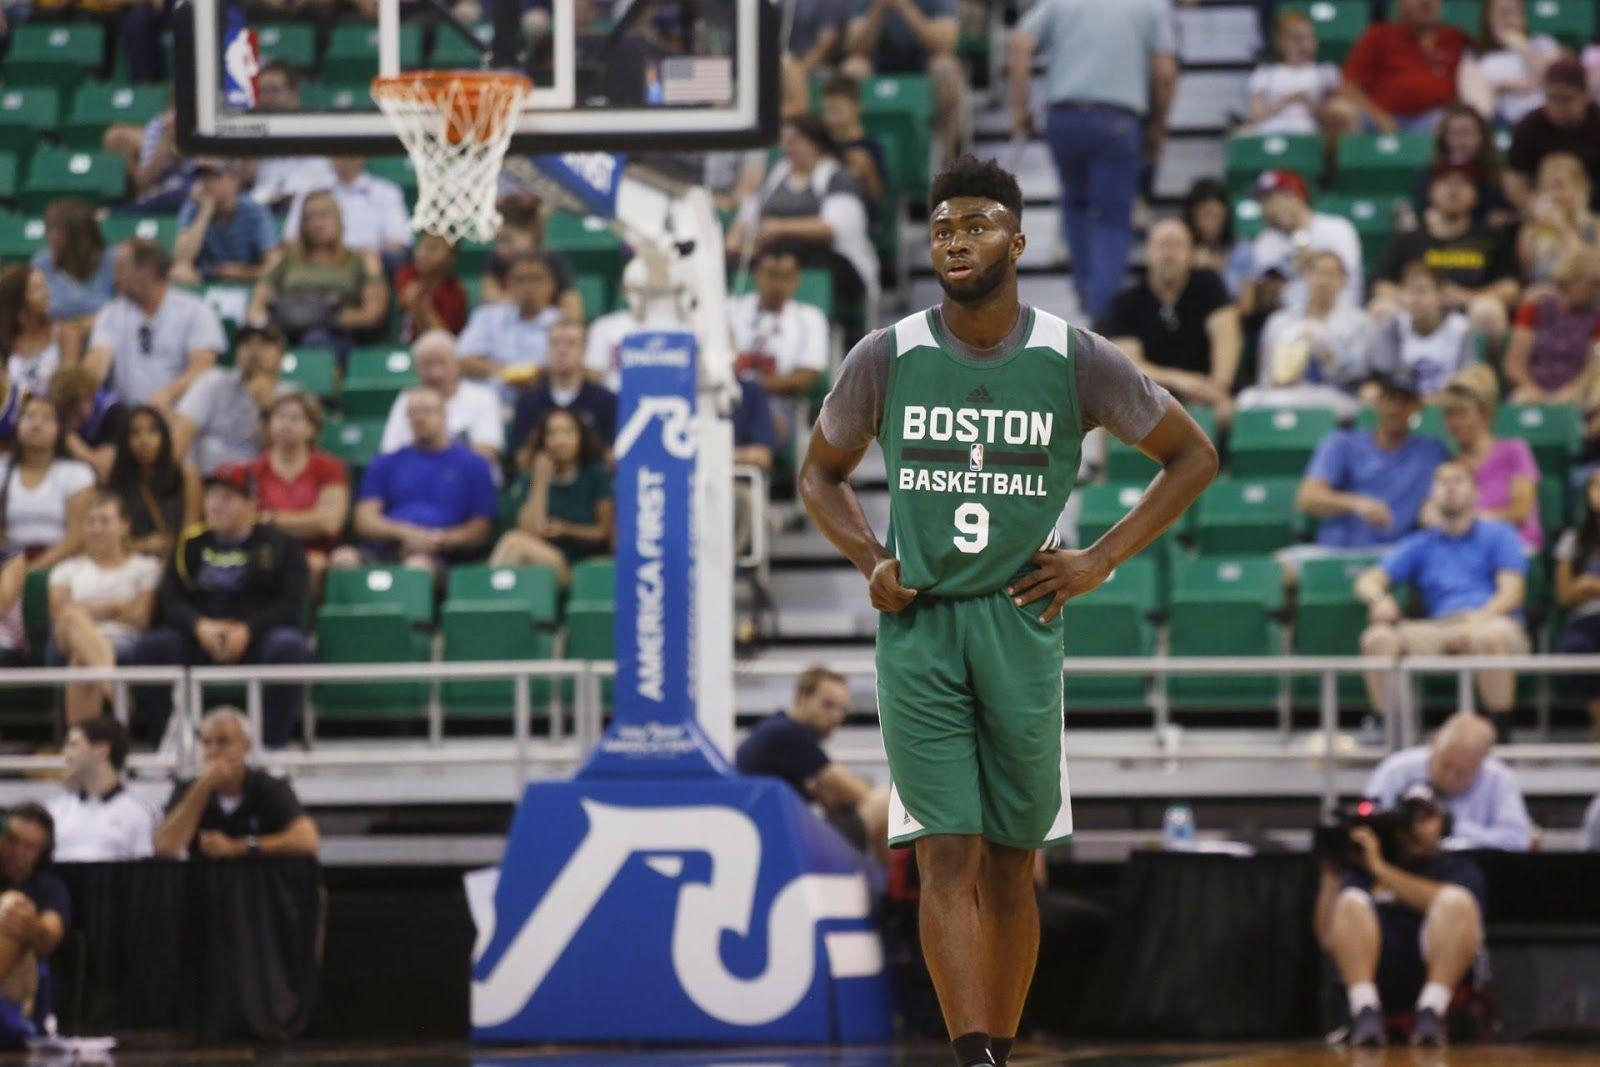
(715, 911)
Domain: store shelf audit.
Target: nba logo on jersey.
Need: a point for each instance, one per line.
(975, 457)
(241, 62)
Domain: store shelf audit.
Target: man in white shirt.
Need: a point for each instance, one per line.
(512, 337)
(279, 179)
(606, 333)
(97, 820)
(472, 411)
(778, 341)
(373, 210)
(1293, 233)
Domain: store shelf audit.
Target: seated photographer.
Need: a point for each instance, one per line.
(1401, 918)
(1481, 792)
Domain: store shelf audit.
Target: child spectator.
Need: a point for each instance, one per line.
(1553, 343)
(43, 493)
(1464, 139)
(522, 232)
(1297, 95)
(1313, 356)
(74, 260)
(1504, 468)
(1503, 76)
(428, 290)
(1578, 593)
(90, 415)
(1559, 222)
(862, 154)
(160, 495)
(34, 343)
(1429, 341)
(566, 511)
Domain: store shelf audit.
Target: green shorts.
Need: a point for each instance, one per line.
(969, 697)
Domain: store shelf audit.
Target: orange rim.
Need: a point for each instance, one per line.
(471, 96)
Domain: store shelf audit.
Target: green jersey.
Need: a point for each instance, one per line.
(981, 455)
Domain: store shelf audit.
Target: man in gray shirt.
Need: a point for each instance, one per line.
(1110, 69)
(152, 341)
(220, 415)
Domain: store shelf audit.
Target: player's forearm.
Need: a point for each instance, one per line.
(1188, 464)
(833, 506)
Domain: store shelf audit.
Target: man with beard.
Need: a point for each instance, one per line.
(980, 406)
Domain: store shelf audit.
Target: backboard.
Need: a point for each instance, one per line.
(625, 76)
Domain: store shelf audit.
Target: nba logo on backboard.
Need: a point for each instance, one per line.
(975, 458)
(241, 62)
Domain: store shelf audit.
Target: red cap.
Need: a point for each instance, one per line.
(235, 476)
(1282, 181)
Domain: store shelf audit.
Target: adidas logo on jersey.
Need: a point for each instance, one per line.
(980, 395)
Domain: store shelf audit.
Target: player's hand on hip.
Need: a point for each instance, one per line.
(1063, 574)
(885, 590)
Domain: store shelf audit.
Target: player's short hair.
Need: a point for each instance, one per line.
(966, 175)
(812, 678)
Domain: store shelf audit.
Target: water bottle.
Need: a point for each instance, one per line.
(1177, 828)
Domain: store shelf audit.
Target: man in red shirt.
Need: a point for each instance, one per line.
(1401, 73)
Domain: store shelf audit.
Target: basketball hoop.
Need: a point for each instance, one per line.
(456, 126)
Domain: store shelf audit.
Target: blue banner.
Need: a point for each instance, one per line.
(589, 179)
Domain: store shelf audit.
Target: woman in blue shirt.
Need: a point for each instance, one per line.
(74, 260)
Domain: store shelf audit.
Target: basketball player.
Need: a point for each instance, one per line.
(980, 406)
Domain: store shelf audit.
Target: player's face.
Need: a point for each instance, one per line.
(975, 245)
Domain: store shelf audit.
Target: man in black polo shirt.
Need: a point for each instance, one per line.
(1568, 122)
(789, 746)
(233, 810)
(34, 913)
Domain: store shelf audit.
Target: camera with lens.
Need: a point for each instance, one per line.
(1332, 841)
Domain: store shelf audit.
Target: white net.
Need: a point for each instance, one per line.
(456, 126)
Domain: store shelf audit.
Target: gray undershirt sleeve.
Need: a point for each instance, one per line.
(854, 407)
(1114, 393)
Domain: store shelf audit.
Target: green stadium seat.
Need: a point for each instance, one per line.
(311, 370)
(1328, 621)
(532, 589)
(315, 97)
(354, 442)
(1553, 431)
(369, 633)
(597, 294)
(288, 42)
(1114, 620)
(591, 635)
(1466, 15)
(99, 177)
(1374, 220)
(472, 259)
(8, 176)
(1124, 463)
(1246, 515)
(588, 242)
(409, 588)
(1554, 508)
(902, 105)
(452, 52)
(36, 608)
(376, 376)
(26, 113)
(58, 54)
(486, 631)
(352, 55)
(1224, 606)
(163, 228)
(594, 580)
(1248, 157)
(97, 106)
(20, 237)
(1247, 219)
(1379, 164)
(1339, 23)
(1572, 22)
(1276, 442)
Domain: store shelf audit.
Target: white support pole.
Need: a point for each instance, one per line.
(388, 38)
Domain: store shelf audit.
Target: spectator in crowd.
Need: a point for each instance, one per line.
(100, 602)
(161, 494)
(1559, 222)
(1178, 325)
(1476, 263)
(161, 174)
(1577, 558)
(809, 200)
(602, 354)
(1293, 232)
(233, 810)
(300, 489)
(97, 819)
(223, 235)
(233, 591)
(860, 152)
(566, 512)
(429, 291)
(1471, 573)
(472, 410)
(1424, 337)
(1504, 469)
(1553, 344)
(1316, 356)
(277, 180)
(1110, 68)
(91, 417)
(43, 493)
(755, 444)
(1366, 488)
(1208, 213)
(1297, 95)
(816, 37)
(321, 290)
(512, 337)
(1503, 74)
(779, 341)
(1403, 929)
(75, 261)
(788, 746)
(11, 397)
(1402, 72)
(220, 417)
(522, 232)
(431, 502)
(1464, 138)
(1478, 789)
(373, 210)
(34, 343)
(1569, 122)
(35, 912)
(13, 578)
(153, 340)
(564, 386)
(910, 37)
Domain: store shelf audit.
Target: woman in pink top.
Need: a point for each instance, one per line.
(1507, 476)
